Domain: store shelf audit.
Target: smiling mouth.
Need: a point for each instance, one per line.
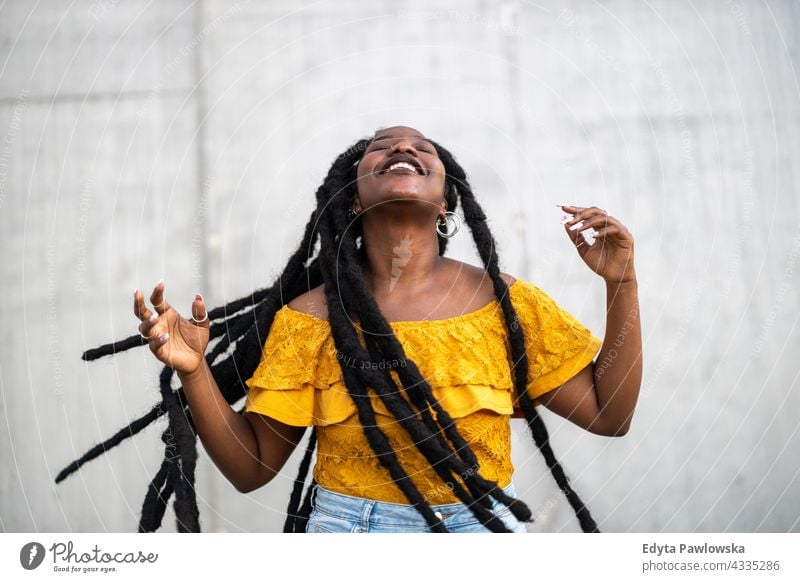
(402, 168)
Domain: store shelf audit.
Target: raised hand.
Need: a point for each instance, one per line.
(611, 255)
(178, 342)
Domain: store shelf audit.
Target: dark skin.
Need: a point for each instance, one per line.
(410, 282)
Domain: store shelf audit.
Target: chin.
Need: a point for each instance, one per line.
(408, 197)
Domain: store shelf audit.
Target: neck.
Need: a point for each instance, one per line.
(402, 253)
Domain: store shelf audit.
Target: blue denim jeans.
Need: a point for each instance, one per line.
(337, 513)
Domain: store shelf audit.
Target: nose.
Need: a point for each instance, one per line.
(403, 147)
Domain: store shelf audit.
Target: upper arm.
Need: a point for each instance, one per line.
(276, 442)
(576, 400)
(575, 397)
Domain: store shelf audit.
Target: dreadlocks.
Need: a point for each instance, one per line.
(241, 327)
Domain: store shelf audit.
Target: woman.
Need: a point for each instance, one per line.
(407, 364)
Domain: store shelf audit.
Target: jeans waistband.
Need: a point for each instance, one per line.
(359, 508)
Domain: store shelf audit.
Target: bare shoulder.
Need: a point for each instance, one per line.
(509, 279)
(311, 302)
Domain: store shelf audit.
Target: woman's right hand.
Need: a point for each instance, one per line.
(178, 342)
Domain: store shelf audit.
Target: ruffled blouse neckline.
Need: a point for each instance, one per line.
(447, 320)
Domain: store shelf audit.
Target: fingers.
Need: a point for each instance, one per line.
(199, 312)
(157, 299)
(616, 233)
(583, 214)
(596, 222)
(149, 328)
(140, 310)
(584, 223)
(570, 209)
(156, 329)
(146, 328)
(158, 341)
(608, 230)
(577, 239)
(592, 218)
(586, 218)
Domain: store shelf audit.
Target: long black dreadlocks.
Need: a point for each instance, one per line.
(245, 324)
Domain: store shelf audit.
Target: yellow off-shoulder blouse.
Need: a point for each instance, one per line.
(466, 361)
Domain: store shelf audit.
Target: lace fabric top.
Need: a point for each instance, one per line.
(465, 359)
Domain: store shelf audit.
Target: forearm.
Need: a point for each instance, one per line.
(618, 369)
(227, 436)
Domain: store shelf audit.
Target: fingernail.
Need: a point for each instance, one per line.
(163, 338)
(153, 318)
(576, 226)
(159, 282)
(198, 297)
(135, 291)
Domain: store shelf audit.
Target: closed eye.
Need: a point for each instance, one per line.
(425, 149)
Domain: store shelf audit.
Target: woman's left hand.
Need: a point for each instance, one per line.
(611, 255)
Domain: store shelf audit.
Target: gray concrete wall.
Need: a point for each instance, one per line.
(185, 141)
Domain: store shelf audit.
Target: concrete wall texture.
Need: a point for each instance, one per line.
(185, 140)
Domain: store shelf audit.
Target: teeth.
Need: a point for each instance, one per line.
(401, 165)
